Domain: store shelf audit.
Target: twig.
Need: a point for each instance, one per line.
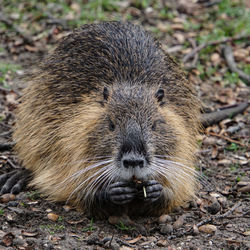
(110, 242)
(174, 49)
(196, 56)
(211, 118)
(228, 139)
(216, 42)
(211, 3)
(228, 54)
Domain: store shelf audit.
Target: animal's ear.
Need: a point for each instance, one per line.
(105, 93)
(159, 95)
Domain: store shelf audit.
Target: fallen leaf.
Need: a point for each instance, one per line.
(75, 222)
(215, 59)
(244, 189)
(177, 26)
(31, 48)
(240, 54)
(161, 243)
(8, 239)
(134, 240)
(29, 234)
(125, 248)
(179, 37)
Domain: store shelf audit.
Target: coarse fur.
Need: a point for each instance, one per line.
(104, 85)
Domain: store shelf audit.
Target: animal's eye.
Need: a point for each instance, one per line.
(154, 126)
(111, 125)
(156, 123)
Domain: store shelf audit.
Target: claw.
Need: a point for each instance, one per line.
(121, 193)
(13, 182)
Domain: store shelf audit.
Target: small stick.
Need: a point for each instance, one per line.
(144, 192)
(227, 139)
(228, 54)
(208, 119)
(216, 42)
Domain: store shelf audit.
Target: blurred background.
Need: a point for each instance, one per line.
(28, 29)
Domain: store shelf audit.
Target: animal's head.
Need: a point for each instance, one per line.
(133, 130)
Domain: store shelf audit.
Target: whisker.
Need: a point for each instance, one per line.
(81, 184)
(170, 176)
(89, 160)
(183, 169)
(82, 171)
(104, 181)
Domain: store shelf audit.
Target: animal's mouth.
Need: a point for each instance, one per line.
(134, 173)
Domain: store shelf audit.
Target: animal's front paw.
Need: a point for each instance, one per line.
(151, 191)
(13, 182)
(121, 193)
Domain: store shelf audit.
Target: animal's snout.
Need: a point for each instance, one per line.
(127, 162)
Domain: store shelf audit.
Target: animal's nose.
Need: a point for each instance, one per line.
(133, 163)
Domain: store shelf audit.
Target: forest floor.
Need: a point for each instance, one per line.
(195, 33)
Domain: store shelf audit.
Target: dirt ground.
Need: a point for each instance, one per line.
(220, 216)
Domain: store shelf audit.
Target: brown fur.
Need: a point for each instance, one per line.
(62, 118)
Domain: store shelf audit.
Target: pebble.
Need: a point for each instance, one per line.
(196, 230)
(208, 228)
(180, 221)
(215, 207)
(161, 243)
(223, 201)
(164, 218)
(53, 217)
(7, 197)
(166, 229)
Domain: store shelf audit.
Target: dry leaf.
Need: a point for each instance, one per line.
(8, 239)
(29, 234)
(134, 240)
(161, 243)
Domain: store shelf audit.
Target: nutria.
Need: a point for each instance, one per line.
(108, 123)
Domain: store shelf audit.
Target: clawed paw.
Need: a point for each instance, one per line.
(121, 193)
(13, 182)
